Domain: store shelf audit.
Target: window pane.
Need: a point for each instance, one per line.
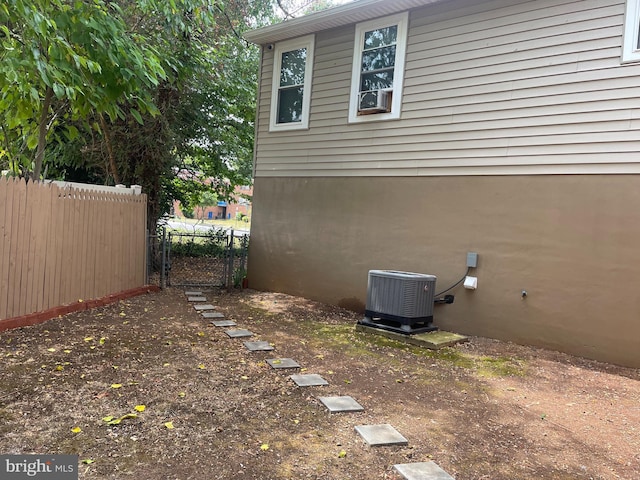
(290, 105)
(292, 67)
(380, 37)
(376, 81)
(379, 58)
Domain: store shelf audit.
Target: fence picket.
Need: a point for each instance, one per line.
(6, 205)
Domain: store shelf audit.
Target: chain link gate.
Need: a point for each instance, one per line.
(216, 258)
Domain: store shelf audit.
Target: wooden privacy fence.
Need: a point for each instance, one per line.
(61, 245)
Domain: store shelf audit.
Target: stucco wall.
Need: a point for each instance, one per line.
(572, 242)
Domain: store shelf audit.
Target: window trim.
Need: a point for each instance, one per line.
(630, 50)
(307, 42)
(402, 21)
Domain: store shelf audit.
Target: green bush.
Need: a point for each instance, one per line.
(210, 244)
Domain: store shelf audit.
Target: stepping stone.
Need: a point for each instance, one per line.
(341, 404)
(283, 363)
(213, 315)
(309, 380)
(422, 471)
(196, 299)
(201, 308)
(189, 294)
(223, 323)
(258, 346)
(381, 435)
(238, 333)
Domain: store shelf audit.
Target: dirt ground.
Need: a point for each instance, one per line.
(481, 410)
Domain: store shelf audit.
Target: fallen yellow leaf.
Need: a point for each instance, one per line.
(88, 461)
(102, 340)
(182, 394)
(67, 351)
(264, 447)
(88, 339)
(108, 418)
(140, 408)
(342, 454)
(244, 377)
(59, 368)
(51, 349)
(76, 429)
(116, 385)
(201, 366)
(169, 425)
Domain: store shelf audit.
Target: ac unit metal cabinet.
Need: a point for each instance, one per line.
(401, 301)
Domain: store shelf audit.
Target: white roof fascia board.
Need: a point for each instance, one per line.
(348, 14)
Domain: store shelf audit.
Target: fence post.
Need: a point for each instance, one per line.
(148, 259)
(231, 255)
(163, 267)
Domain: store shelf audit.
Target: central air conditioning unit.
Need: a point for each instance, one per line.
(400, 301)
(373, 101)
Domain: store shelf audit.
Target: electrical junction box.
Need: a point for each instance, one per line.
(472, 260)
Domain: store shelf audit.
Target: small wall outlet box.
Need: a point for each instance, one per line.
(471, 283)
(472, 260)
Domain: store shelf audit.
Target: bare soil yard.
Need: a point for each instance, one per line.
(482, 410)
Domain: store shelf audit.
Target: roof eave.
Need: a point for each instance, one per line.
(357, 11)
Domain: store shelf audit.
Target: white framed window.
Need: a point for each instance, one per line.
(631, 37)
(291, 91)
(378, 69)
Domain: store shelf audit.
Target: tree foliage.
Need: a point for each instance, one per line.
(61, 61)
(159, 93)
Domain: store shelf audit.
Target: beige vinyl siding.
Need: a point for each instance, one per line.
(497, 88)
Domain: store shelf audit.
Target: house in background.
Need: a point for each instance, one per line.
(238, 206)
(402, 134)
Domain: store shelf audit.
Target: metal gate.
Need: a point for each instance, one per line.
(215, 258)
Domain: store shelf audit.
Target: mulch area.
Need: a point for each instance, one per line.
(212, 409)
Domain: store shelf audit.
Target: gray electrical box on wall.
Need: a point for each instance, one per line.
(472, 260)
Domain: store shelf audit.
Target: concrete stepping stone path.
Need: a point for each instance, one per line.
(422, 471)
(202, 308)
(223, 323)
(309, 380)
(196, 299)
(341, 404)
(373, 435)
(381, 435)
(239, 333)
(278, 363)
(258, 346)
